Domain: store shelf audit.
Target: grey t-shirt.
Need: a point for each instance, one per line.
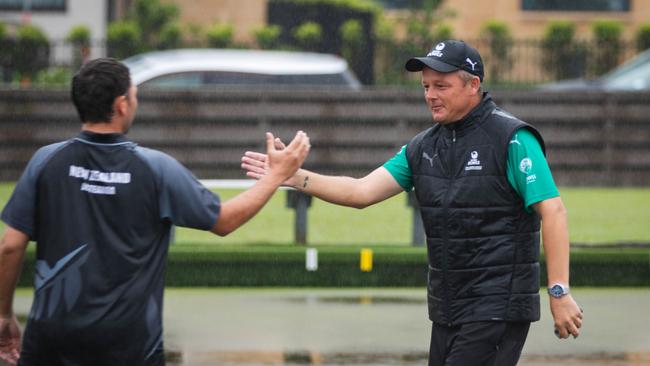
(101, 210)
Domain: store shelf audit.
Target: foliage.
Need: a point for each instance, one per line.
(425, 27)
(151, 16)
(499, 58)
(150, 25)
(242, 265)
(220, 36)
(562, 56)
(171, 36)
(79, 35)
(387, 64)
(443, 31)
(267, 37)
(308, 35)
(54, 77)
(123, 39)
(6, 50)
(608, 45)
(352, 37)
(32, 51)
(643, 37)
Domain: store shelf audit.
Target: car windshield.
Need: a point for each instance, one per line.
(213, 78)
(635, 75)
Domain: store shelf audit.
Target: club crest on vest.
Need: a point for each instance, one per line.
(474, 163)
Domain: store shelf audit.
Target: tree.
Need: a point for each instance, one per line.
(220, 36)
(123, 39)
(643, 37)
(150, 25)
(171, 36)
(499, 58)
(79, 37)
(608, 45)
(151, 17)
(308, 35)
(32, 52)
(562, 56)
(268, 37)
(352, 36)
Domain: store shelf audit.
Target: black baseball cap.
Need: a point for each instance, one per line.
(448, 56)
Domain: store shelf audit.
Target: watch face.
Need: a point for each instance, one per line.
(556, 291)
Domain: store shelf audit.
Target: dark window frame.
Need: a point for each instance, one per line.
(35, 7)
(576, 5)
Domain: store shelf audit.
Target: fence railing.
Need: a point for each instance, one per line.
(523, 62)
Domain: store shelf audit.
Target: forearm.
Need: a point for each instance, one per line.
(12, 252)
(338, 190)
(241, 208)
(556, 246)
(346, 191)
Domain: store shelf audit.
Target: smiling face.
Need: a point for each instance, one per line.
(449, 96)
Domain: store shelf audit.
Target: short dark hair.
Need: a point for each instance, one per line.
(95, 87)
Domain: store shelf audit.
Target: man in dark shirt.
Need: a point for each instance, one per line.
(101, 209)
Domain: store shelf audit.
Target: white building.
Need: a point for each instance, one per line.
(57, 17)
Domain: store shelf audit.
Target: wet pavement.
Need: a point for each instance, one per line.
(373, 327)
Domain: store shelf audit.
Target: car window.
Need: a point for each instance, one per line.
(177, 80)
(212, 78)
(635, 78)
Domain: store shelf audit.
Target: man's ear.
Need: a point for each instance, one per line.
(120, 105)
(475, 84)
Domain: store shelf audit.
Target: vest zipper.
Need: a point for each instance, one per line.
(445, 242)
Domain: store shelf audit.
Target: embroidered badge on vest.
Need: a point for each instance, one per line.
(474, 163)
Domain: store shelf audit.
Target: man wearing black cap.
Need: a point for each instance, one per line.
(483, 184)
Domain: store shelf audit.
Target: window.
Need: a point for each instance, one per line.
(401, 4)
(34, 5)
(576, 5)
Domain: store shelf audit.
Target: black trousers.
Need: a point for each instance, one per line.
(477, 344)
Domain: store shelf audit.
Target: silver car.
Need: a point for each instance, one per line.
(633, 75)
(196, 68)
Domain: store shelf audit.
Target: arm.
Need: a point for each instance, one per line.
(345, 191)
(12, 252)
(566, 313)
(282, 164)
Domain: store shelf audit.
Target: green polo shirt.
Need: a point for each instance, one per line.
(526, 169)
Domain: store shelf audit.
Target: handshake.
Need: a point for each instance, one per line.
(280, 163)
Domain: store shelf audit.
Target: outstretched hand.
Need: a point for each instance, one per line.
(567, 316)
(279, 161)
(257, 164)
(9, 340)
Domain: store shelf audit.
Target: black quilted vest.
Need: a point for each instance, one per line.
(483, 247)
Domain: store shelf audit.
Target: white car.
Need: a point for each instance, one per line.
(634, 75)
(195, 68)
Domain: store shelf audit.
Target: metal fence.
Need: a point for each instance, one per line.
(519, 63)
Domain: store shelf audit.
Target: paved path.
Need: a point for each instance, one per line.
(373, 327)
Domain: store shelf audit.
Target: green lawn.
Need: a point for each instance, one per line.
(596, 215)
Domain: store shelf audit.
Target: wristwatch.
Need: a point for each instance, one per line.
(558, 290)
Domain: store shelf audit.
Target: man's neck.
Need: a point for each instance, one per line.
(102, 127)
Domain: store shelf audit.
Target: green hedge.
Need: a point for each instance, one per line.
(339, 266)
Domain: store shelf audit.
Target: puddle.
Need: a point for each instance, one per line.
(357, 300)
(382, 359)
